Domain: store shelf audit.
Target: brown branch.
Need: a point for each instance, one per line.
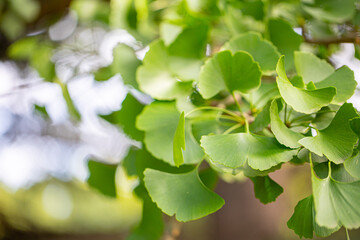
(354, 38)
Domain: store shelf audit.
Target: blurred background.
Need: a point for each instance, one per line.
(50, 102)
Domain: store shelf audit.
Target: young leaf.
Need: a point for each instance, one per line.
(311, 68)
(303, 220)
(263, 51)
(236, 150)
(181, 194)
(266, 189)
(336, 203)
(102, 177)
(232, 72)
(336, 141)
(302, 100)
(179, 141)
(126, 116)
(159, 121)
(283, 134)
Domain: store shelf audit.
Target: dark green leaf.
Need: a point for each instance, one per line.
(102, 177)
(266, 189)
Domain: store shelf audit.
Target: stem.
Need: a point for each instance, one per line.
(214, 109)
(236, 102)
(289, 114)
(347, 234)
(285, 113)
(246, 125)
(232, 128)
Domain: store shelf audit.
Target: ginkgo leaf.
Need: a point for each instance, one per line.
(261, 96)
(235, 150)
(283, 36)
(231, 72)
(159, 121)
(283, 134)
(126, 116)
(263, 51)
(336, 141)
(102, 177)
(336, 203)
(266, 189)
(302, 100)
(352, 165)
(303, 220)
(311, 68)
(181, 194)
(173, 74)
(179, 141)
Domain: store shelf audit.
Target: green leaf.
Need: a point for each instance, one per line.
(263, 51)
(126, 116)
(125, 63)
(337, 11)
(302, 100)
(179, 141)
(102, 177)
(286, 40)
(262, 119)
(235, 150)
(159, 121)
(181, 194)
(261, 96)
(166, 77)
(303, 220)
(266, 189)
(352, 165)
(232, 72)
(151, 226)
(336, 203)
(336, 141)
(103, 74)
(312, 68)
(283, 134)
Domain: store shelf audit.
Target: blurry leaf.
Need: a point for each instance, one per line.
(102, 177)
(27, 9)
(179, 141)
(336, 203)
(236, 72)
(303, 220)
(209, 177)
(207, 123)
(103, 74)
(305, 101)
(266, 189)
(151, 226)
(336, 141)
(172, 74)
(235, 150)
(312, 68)
(23, 48)
(285, 39)
(263, 51)
(72, 110)
(126, 117)
(159, 121)
(126, 63)
(41, 110)
(169, 32)
(202, 7)
(330, 10)
(181, 194)
(283, 134)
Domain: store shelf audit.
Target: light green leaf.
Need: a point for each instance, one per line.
(179, 141)
(303, 220)
(266, 189)
(169, 32)
(166, 77)
(352, 165)
(126, 116)
(103, 74)
(159, 121)
(263, 51)
(336, 203)
(312, 68)
(336, 141)
(337, 11)
(232, 72)
(283, 134)
(302, 100)
(235, 150)
(261, 96)
(181, 194)
(102, 177)
(286, 40)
